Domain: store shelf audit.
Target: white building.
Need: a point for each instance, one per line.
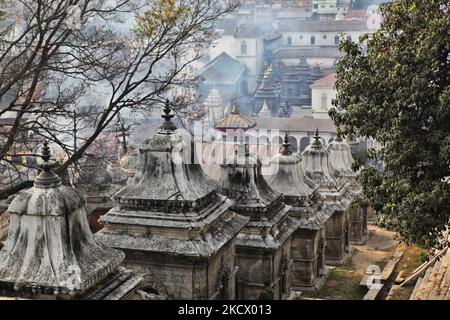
(323, 92)
(314, 33)
(244, 42)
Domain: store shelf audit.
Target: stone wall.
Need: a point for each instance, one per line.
(258, 267)
(307, 254)
(185, 277)
(336, 232)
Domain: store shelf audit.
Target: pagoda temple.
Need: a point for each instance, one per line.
(172, 223)
(268, 93)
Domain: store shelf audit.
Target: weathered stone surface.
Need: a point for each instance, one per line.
(338, 196)
(49, 241)
(341, 160)
(263, 246)
(50, 251)
(172, 223)
(310, 214)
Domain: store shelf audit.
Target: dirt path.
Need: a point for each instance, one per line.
(343, 282)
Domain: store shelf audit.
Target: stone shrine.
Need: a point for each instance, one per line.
(172, 223)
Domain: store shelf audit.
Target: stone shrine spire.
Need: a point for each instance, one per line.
(171, 220)
(50, 250)
(310, 213)
(168, 126)
(341, 158)
(316, 163)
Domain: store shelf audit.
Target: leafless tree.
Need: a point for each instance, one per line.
(69, 68)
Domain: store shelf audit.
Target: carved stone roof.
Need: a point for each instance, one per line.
(316, 163)
(341, 158)
(235, 121)
(50, 248)
(299, 192)
(287, 178)
(173, 203)
(165, 178)
(270, 224)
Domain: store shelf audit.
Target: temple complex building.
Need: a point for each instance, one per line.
(172, 223)
(50, 252)
(311, 214)
(316, 166)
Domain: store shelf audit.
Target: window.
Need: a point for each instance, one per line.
(336, 40)
(349, 38)
(289, 41)
(324, 101)
(301, 37)
(313, 40)
(324, 37)
(244, 47)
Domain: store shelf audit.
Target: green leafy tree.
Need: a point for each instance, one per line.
(396, 90)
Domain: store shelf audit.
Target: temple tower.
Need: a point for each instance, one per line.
(263, 247)
(268, 93)
(172, 223)
(50, 252)
(341, 160)
(265, 111)
(214, 106)
(316, 166)
(311, 214)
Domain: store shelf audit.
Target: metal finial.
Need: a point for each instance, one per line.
(286, 150)
(168, 125)
(338, 136)
(317, 143)
(47, 178)
(46, 155)
(235, 109)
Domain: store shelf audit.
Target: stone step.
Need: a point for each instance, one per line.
(416, 288)
(372, 294)
(399, 278)
(388, 270)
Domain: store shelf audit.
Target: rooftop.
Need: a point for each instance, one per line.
(326, 82)
(323, 26)
(235, 121)
(223, 69)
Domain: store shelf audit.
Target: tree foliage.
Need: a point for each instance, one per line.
(65, 59)
(396, 90)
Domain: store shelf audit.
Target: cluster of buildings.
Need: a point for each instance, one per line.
(277, 61)
(173, 232)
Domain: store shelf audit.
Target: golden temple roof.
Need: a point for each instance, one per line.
(235, 121)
